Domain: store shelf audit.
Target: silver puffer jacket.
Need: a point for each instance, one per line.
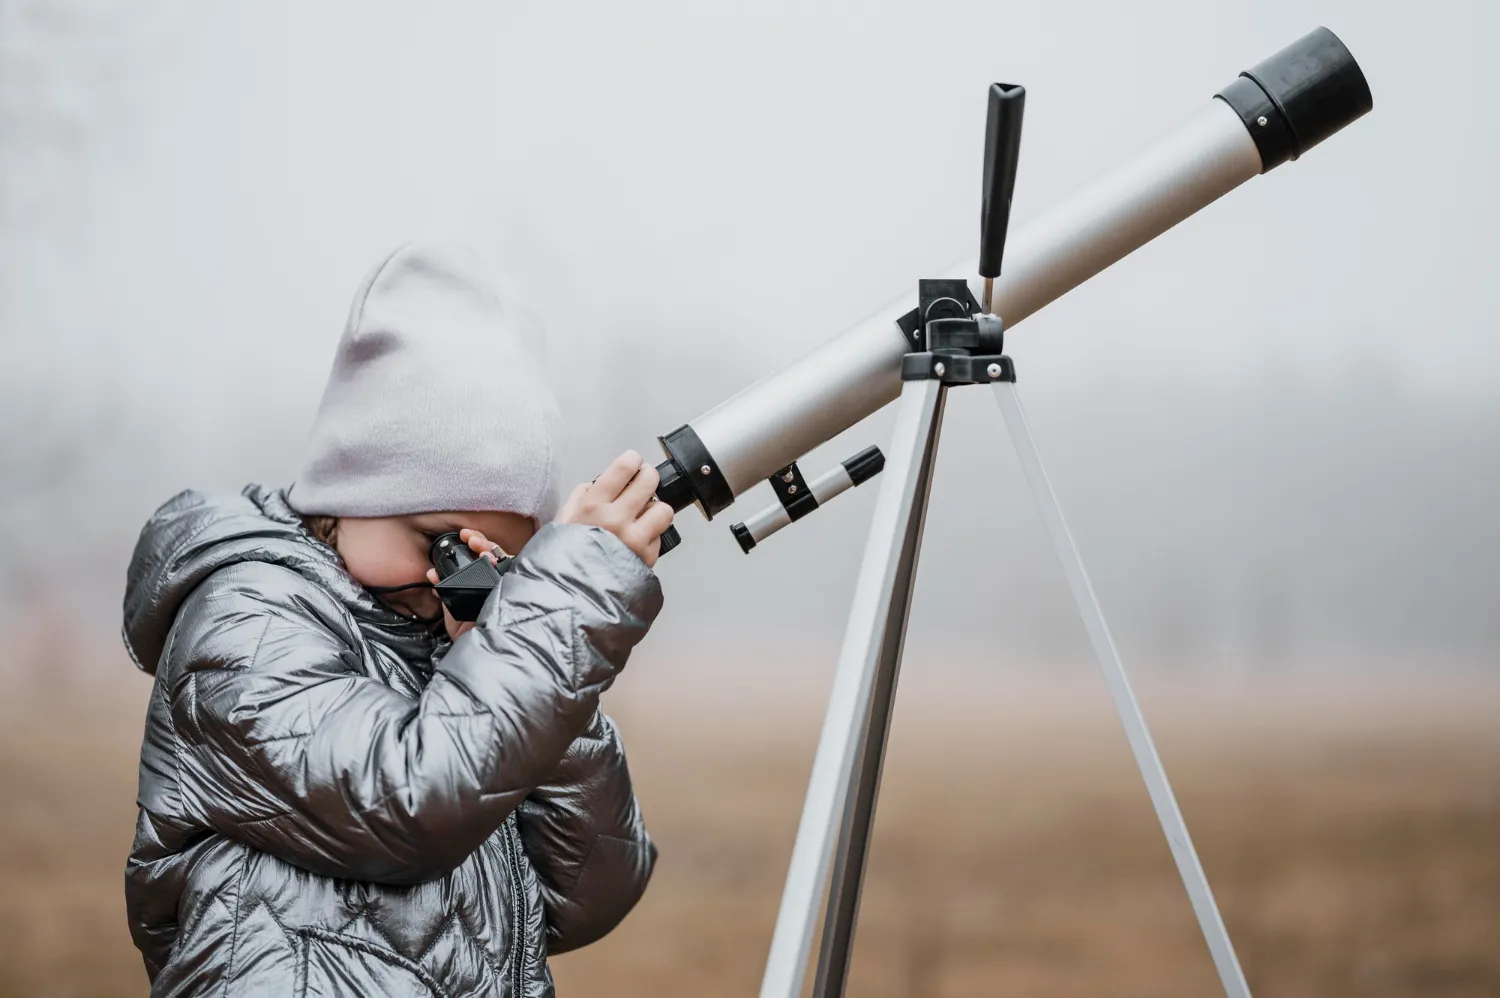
(335, 801)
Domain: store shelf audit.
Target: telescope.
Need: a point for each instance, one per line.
(1269, 115)
(949, 334)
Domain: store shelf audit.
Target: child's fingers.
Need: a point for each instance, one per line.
(432, 576)
(655, 520)
(481, 545)
(571, 508)
(640, 491)
(608, 486)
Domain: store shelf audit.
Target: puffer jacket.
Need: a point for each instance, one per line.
(334, 800)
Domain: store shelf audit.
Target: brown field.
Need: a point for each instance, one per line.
(1351, 830)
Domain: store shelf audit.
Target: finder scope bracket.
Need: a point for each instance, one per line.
(792, 492)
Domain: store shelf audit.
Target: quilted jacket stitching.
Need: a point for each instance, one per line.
(536, 616)
(374, 926)
(273, 739)
(380, 953)
(190, 694)
(573, 645)
(290, 934)
(490, 960)
(255, 653)
(263, 821)
(443, 927)
(203, 911)
(160, 690)
(234, 936)
(584, 864)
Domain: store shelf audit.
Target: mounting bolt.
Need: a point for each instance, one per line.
(993, 370)
(705, 470)
(1261, 121)
(939, 369)
(788, 476)
(791, 490)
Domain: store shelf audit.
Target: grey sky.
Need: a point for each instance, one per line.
(1273, 428)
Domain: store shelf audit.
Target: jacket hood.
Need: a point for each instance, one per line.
(194, 534)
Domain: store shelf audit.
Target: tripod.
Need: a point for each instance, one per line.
(840, 807)
(952, 342)
(839, 812)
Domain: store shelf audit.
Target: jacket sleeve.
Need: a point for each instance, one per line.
(289, 744)
(583, 831)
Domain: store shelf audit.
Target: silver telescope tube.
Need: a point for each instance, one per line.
(1272, 113)
(783, 416)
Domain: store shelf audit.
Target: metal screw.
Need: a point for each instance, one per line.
(791, 490)
(993, 370)
(1261, 121)
(788, 476)
(705, 470)
(939, 369)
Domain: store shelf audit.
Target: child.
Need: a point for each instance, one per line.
(342, 791)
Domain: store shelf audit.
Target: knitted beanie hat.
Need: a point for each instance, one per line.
(437, 399)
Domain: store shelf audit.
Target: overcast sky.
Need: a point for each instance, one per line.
(1274, 429)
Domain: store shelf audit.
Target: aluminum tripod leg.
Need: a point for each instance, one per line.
(845, 778)
(1131, 717)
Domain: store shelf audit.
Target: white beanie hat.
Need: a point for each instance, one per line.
(437, 399)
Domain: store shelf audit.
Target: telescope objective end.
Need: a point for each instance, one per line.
(1299, 96)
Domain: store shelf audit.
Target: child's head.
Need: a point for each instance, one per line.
(437, 416)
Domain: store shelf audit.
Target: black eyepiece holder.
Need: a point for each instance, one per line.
(464, 578)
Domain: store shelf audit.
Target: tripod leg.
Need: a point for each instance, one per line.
(846, 771)
(1146, 759)
(844, 887)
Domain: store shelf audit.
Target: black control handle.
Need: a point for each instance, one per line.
(1002, 148)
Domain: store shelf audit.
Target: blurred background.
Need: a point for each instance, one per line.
(1273, 429)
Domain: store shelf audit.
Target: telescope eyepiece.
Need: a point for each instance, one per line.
(449, 555)
(1299, 96)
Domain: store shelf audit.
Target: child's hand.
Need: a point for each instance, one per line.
(623, 501)
(481, 546)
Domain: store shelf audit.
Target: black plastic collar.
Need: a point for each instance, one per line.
(696, 474)
(1298, 97)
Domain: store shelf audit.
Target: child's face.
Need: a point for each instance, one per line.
(392, 550)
